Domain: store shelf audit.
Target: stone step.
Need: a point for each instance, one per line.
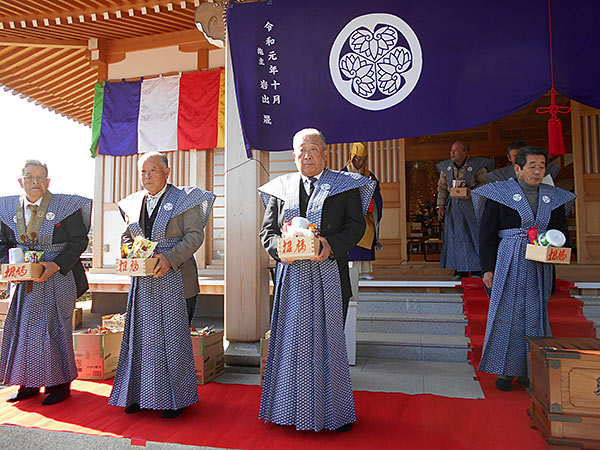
(410, 303)
(591, 305)
(442, 324)
(425, 347)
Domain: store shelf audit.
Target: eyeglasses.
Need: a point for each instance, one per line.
(30, 179)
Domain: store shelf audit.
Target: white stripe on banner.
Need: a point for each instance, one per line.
(159, 108)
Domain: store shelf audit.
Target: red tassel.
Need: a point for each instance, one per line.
(556, 143)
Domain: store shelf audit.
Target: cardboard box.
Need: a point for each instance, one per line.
(136, 267)
(264, 351)
(209, 356)
(77, 318)
(461, 193)
(96, 355)
(553, 255)
(298, 247)
(22, 271)
(114, 321)
(4, 305)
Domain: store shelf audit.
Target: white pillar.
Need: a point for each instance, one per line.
(246, 262)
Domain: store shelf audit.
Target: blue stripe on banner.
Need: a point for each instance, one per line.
(119, 133)
(384, 69)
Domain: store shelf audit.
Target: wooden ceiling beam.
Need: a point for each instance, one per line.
(48, 72)
(41, 57)
(28, 15)
(157, 41)
(45, 43)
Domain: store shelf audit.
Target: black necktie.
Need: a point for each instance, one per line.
(311, 187)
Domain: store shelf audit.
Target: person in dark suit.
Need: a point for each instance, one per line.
(311, 296)
(519, 288)
(37, 347)
(156, 364)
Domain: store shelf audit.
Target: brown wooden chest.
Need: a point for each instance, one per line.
(565, 388)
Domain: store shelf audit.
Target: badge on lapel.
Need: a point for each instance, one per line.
(517, 197)
(546, 199)
(50, 215)
(168, 206)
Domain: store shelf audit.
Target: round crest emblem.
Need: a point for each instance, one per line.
(375, 61)
(50, 215)
(448, 168)
(517, 197)
(325, 187)
(168, 206)
(469, 169)
(15, 219)
(546, 199)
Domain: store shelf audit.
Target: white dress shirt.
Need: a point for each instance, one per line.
(27, 210)
(152, 200)
(306, 181)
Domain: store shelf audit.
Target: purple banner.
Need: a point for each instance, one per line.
(384, 69)
(119, 132)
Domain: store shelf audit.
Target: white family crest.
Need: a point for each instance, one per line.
(50, 215)
(375, 61)
(517, 197)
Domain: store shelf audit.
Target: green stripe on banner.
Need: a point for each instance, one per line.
(97, 116)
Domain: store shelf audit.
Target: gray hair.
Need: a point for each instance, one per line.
(308, 132)
(146, 156)
(35, 163)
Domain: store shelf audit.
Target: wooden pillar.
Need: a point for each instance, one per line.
(98, 61)
(246, 262)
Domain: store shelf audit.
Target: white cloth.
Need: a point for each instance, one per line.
(152, 200)
(159, 111)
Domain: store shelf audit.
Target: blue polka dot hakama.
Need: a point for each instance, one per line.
(307, 378)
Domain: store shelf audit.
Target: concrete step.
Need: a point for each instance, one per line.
(441, 324)
(591, 305)
(425, 347)
(410, 303)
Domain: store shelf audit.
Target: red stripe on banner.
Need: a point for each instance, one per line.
(197, 127)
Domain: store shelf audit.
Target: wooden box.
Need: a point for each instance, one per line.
(565, 374)
(22, 271)
(298, 247)
(565, 428)
(136, 267)
(461, 193)
(209, 356)
(554, 255)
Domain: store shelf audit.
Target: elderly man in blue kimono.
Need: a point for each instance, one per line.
(520, 288)
(37, 347)
(307, 378)
(156, 364)
(461, 232)
(508, 172)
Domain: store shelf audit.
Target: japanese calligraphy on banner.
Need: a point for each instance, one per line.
(385, 69)
(270, 98)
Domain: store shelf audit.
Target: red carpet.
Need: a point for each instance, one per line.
(226, 416)
(566, 320)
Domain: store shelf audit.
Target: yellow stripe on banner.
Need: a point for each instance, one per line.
(221, 119)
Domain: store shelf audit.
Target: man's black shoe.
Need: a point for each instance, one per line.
(171, 413)
(523, 381)
(23, 393)
(133, 408)
(504, 384)
(57, 394)
(344, 428)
